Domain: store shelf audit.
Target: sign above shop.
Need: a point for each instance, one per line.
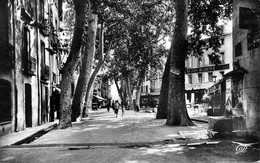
(209, 68)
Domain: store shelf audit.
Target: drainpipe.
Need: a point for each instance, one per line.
(15, 84)
(38, 66)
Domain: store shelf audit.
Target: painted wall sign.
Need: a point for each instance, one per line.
(175, 71)
(209, 68)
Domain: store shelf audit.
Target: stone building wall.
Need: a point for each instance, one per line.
(245, 25)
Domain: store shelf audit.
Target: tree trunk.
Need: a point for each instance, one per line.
(138, 89)
(70, 65)
(100, 61)
(124, 88)
(163, 101)
(177, 112)
(85, 71)
(119, 90)
(129, 94)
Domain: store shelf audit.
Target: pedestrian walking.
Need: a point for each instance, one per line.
(116, 107)
(123, 108)
(108, 105)
(113, 105)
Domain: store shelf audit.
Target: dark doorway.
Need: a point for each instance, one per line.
(28, 105)
(5, 101)
(44, 104)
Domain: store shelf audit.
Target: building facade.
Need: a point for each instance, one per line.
(202, 74)
(246, 74)
(29, 71)
(150, 90)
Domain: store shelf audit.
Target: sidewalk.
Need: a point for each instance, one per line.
(103, 128)
(16, 137)
(142, 118)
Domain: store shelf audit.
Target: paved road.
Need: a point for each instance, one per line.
(134, 138)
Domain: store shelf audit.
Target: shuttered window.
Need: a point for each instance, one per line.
(3, 28)
(26, 47)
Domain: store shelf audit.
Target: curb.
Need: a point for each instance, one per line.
(199, 120)
(37, 134)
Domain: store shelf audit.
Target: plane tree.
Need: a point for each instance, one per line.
(203, 17)
(145, 24)
(71, 64)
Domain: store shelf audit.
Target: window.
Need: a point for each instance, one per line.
(43, 53)
(26, 46)
(199, 62)
(222, 41)
(210, 77)
(54, 77)
(3, 27)
(190, 79)
(41, 15)
(210, 62)
(238, 49)
(160, 84)
(200, 78)
(222, 57)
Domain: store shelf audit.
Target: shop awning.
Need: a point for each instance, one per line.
(203, 86)
(100, 98)
(239, 72)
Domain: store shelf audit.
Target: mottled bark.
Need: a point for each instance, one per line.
(163, 100)
(123, 87)
(100, 61)
(70, 65)
(138, 88)
(85, 71)
(119, 90)
(129, 93)
(177, 112)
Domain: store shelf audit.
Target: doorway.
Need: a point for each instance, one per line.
(44, 104)
(28, 105)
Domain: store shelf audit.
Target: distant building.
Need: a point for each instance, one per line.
(150, 89)
(201, 74)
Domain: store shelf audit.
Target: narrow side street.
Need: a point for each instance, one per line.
(136, 137)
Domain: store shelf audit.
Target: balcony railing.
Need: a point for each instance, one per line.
(30, 67)
(45, 72)
(155, 89)
(53, 38)
(6, 55)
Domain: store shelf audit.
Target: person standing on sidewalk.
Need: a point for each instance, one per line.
(123, 108)
(117, 105)
(108, 105)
